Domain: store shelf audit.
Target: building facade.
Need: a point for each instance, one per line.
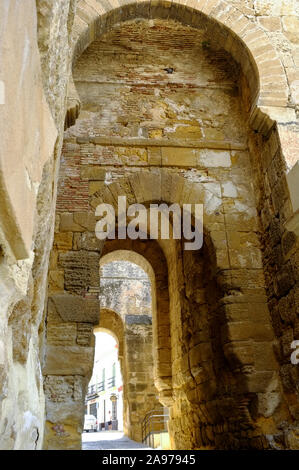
(104, 398)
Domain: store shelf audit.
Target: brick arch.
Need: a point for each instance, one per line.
(241, 311)
(245, 41)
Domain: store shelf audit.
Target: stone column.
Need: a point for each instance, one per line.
(68, 367)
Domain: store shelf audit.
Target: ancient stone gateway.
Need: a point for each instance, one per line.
(167, 102)
(148, 131)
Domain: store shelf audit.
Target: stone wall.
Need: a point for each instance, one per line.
(261, 36)
(125, 288)
(29, 134)
(140, 394)
(280, 261)
(147, 130)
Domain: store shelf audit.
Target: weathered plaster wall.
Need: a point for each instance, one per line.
(30, 132)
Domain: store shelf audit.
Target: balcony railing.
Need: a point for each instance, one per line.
(154, 423)
(94, 390)
(111, 382)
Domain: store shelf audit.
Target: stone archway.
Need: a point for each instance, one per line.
(111, 323)
(199, 170)
(153, 262)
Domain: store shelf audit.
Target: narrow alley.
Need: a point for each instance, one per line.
(109, 440)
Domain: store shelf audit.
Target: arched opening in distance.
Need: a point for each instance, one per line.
(104, 398)
(129, 291)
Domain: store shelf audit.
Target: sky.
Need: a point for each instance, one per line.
(104, 342)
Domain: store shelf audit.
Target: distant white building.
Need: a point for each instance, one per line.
(105, 389)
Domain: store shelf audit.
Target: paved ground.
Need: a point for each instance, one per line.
(108, 440)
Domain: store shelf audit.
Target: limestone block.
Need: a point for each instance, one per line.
(249, 257)
(246, 330)
(222, 258)
(93, 172)
(200, 353)
(53, 259)
(172, 156)
(56, 280)
(270, 23)
(291, 27)
(186, 132)
(81, 270)
(229, 189)
(154, 156)
(239, 353)
(60, 388)
(67, 223)
(68, 412)
(214, 158)
(86, 220)
(243, 219)
(246, 307)
(62, 436)
(94, 187)
(84, 334)
(62, 334)
(138, 319)
(212, 200)
(88, 241)
(68, 360)
(63, 241)
(264, 358)
(258, 381)
(72, 308)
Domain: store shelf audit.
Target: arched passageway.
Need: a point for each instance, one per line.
(127, 288)
(165, 115)
(167, 101)
(104, 398)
